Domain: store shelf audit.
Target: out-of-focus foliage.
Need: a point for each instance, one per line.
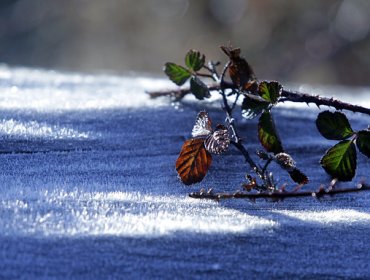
(300, 41)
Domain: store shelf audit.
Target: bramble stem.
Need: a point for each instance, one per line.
(292, 96)
(239, 71)
(205, 75)
(212, 69)
(178, 93)
(237, 142)
(279, 195)
(247, 157)
(266, 164)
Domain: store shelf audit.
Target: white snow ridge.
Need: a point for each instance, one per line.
(34, 129)
(122, 214)
(89, 190)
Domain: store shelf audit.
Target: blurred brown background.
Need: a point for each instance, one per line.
(298, 41)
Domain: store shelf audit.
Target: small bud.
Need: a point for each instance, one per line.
(285, 161)
(263, 155)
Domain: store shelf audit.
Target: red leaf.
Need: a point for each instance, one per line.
(241, 73)
(193, 162)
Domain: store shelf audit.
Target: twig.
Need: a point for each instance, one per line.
(292, 96)
(269, 160)
(205, 75)
(179, 92)
(278, 194)
(322, 101)
(237, 140)
(268, 188)
(212, 69)
(247, 157)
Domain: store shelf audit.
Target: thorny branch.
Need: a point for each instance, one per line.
(229, 118)
(268, 189)
(279, 195)
(292, 96)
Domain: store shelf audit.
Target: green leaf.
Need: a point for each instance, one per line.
(199, 89)
(268, 135)
(194, 60)
(333, 126)
(253, 105)
(363, 142)
(176, 73)
(270, 91)
(340, 160)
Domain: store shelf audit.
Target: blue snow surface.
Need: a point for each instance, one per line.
(88, 188)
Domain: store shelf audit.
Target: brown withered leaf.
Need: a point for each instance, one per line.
(193, 162)
(298, 177)
(287, 163)
(241, 73)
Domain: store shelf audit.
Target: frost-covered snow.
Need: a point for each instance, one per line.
(88, 189)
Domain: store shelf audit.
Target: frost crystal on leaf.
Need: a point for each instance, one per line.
(215, 142)
(219, 141)
(286, 161)
(202, 125)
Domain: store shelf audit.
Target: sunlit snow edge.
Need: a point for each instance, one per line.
(48, 90)
(128, 214)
